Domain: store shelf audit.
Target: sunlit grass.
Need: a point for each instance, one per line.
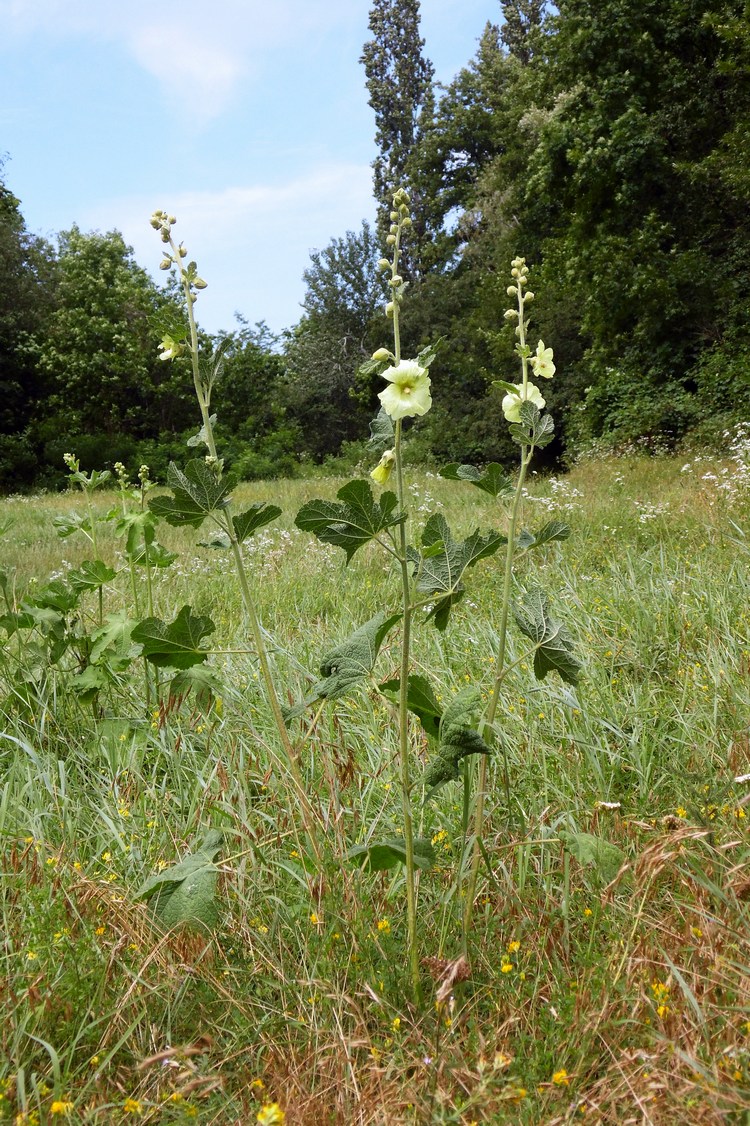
(585, 1002)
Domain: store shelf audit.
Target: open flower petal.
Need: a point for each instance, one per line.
(512, 403)
(408, 392)
(542, 361)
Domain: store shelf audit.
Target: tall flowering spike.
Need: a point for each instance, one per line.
(408, 392)
(542, 361)
(512, 403)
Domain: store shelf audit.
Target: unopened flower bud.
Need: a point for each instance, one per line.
(165, 236)
(510, 314)
(514, 272)
(396, 281)
(182, 251)
(172, 220)
(390, 309)
(199, 283)
(391, 240)
(406, 221)
(403, 210)
(512, 290)
(155, 221)
(384, 264)
(528, 296)
(400, 197)
(165, 263)
(383, 354)
(394, 216)
(382, 471)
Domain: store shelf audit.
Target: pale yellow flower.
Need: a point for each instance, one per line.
(542, 361)
(408, 392)
(512, 402)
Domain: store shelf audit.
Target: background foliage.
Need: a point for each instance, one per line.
(604, 141)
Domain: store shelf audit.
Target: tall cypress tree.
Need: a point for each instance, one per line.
(399, 81)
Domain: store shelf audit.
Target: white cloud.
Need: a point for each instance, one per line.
(195, 75)
(251, 243)
(193, 48)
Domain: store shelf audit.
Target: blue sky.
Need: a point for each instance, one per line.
(247, 119)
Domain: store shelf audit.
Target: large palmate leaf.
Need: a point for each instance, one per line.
(351, 660)
(534, 429)
(420, 699)
(201, 438)
(176, 645)
(202, 681)
(139, 529)
(594, 852)
(552, 530)
(442, 561)
(554, 646)
(458, 738)
(92, 574)
(113, 638)
(256, 516)
(384, 855)
(67, 525)
(196, 493)
(490, 480)
(353, 522)
(382, 433)
(186, 892)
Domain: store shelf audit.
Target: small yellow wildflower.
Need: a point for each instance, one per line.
(561, 1078)
(513, 947)
(681, 812)
(384, 926)
(258, 1085)
(31, 955)
(314, 919)
(61, 1106)
(100, 930)
(588, 912)
(132, 1106)
(662, 1010)
(106, 857)
(506, 967)
(77, 865)
(396, 1024)
(271, 1115)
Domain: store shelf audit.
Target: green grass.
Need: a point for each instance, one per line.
(622, 1001)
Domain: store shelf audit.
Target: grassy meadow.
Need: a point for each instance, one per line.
(601, 999)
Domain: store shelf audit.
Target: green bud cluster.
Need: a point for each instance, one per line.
(163, 223)
(519, 274)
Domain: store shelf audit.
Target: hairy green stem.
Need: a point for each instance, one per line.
(403, 741)
(292, 763)
(403, 714)
(489, 719)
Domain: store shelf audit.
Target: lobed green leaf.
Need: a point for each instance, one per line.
(554, 646)
(353, 522)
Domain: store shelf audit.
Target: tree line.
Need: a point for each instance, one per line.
(604, 140)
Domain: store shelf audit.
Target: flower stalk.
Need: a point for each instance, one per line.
(191, 283)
